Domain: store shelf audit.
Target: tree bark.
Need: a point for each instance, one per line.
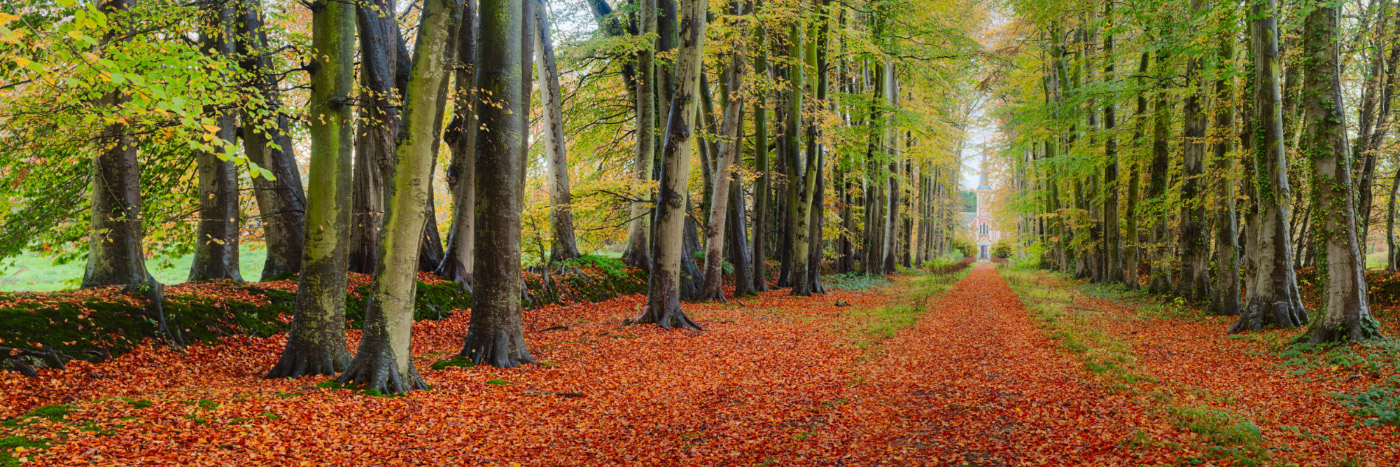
(1226, 300)
(725, 175)
(316, 344)
(494, 334)
(1113, 246)
(216, 239)
(461, 137)
(1273, 296)
(564, 246)
(1160, 281)
(378, 129)
(385, 358)
(638, 253)
(1347, 316)
(761, 158)
(663, 299)
(1194, 248)
(268, 144)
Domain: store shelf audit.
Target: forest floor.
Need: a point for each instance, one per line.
(931, 370)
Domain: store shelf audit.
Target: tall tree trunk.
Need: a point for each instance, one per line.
(216, 240)
(638, 251)
(1159, 281)
(1348, 315)
(1226, 300)
(267, 142)
(761, 185)
(316, 344)
(378, 130)
(561, 218)
(891, 217)
(1273, 296)
(461, 136)
(384, 360)
(663, 298)
(494, 334)
(729, 146)
(1113, 245)
(1194, 248)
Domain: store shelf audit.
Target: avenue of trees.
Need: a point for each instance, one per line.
(1209, 150)
(697, 140)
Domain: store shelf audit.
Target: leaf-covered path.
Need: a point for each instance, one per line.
(919, 373)
(976, 382)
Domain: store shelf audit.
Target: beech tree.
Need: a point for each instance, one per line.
(384, 360)
(316, 344)
(663, 297)
(495, 336)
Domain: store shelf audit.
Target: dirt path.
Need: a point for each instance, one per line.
(975, 382)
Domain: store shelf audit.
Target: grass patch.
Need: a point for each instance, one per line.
(454, 362)
(1229, 436)
(1076, 329)
(874, 325)
(15, 450)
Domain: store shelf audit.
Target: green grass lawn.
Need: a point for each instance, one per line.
(33, 272)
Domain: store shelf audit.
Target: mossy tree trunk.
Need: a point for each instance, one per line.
(1160, 272)
(385, 359)
(761, 186)
(316, 344)
(495, 336)
(663, 298)
(1273, 294)
(1113, 243)
(1347, 316)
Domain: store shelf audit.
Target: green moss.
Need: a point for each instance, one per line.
(460, 362)
(9, 457)
(51, 412)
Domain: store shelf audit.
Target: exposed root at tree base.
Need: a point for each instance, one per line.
(378, 370)
(304, 359)
(1264, 313)
(497, 349)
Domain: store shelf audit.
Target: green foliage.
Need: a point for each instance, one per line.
(853, 281)
(454, 362)
(1377, 405)
(964, 247)
(1002, 249)
(614, 267)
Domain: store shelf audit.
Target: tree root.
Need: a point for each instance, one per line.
(1260, 314)
(377, 369)
(302, 359)
(1355, 330)
(496, 348)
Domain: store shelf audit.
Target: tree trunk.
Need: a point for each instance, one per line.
(892, 177)
(1160, 281)
(1194, 248)
(461, 137)
(761, 186)
(494, 334)
(1348, 315)
(385, 357)
(216, 240)
(663, 298)
(729, 146)
(1113, 244)
(638, 251)
(316, 344)
(1273, 296)
(561, 219)
(1226, 301)
(378, 130)
(267, 142)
